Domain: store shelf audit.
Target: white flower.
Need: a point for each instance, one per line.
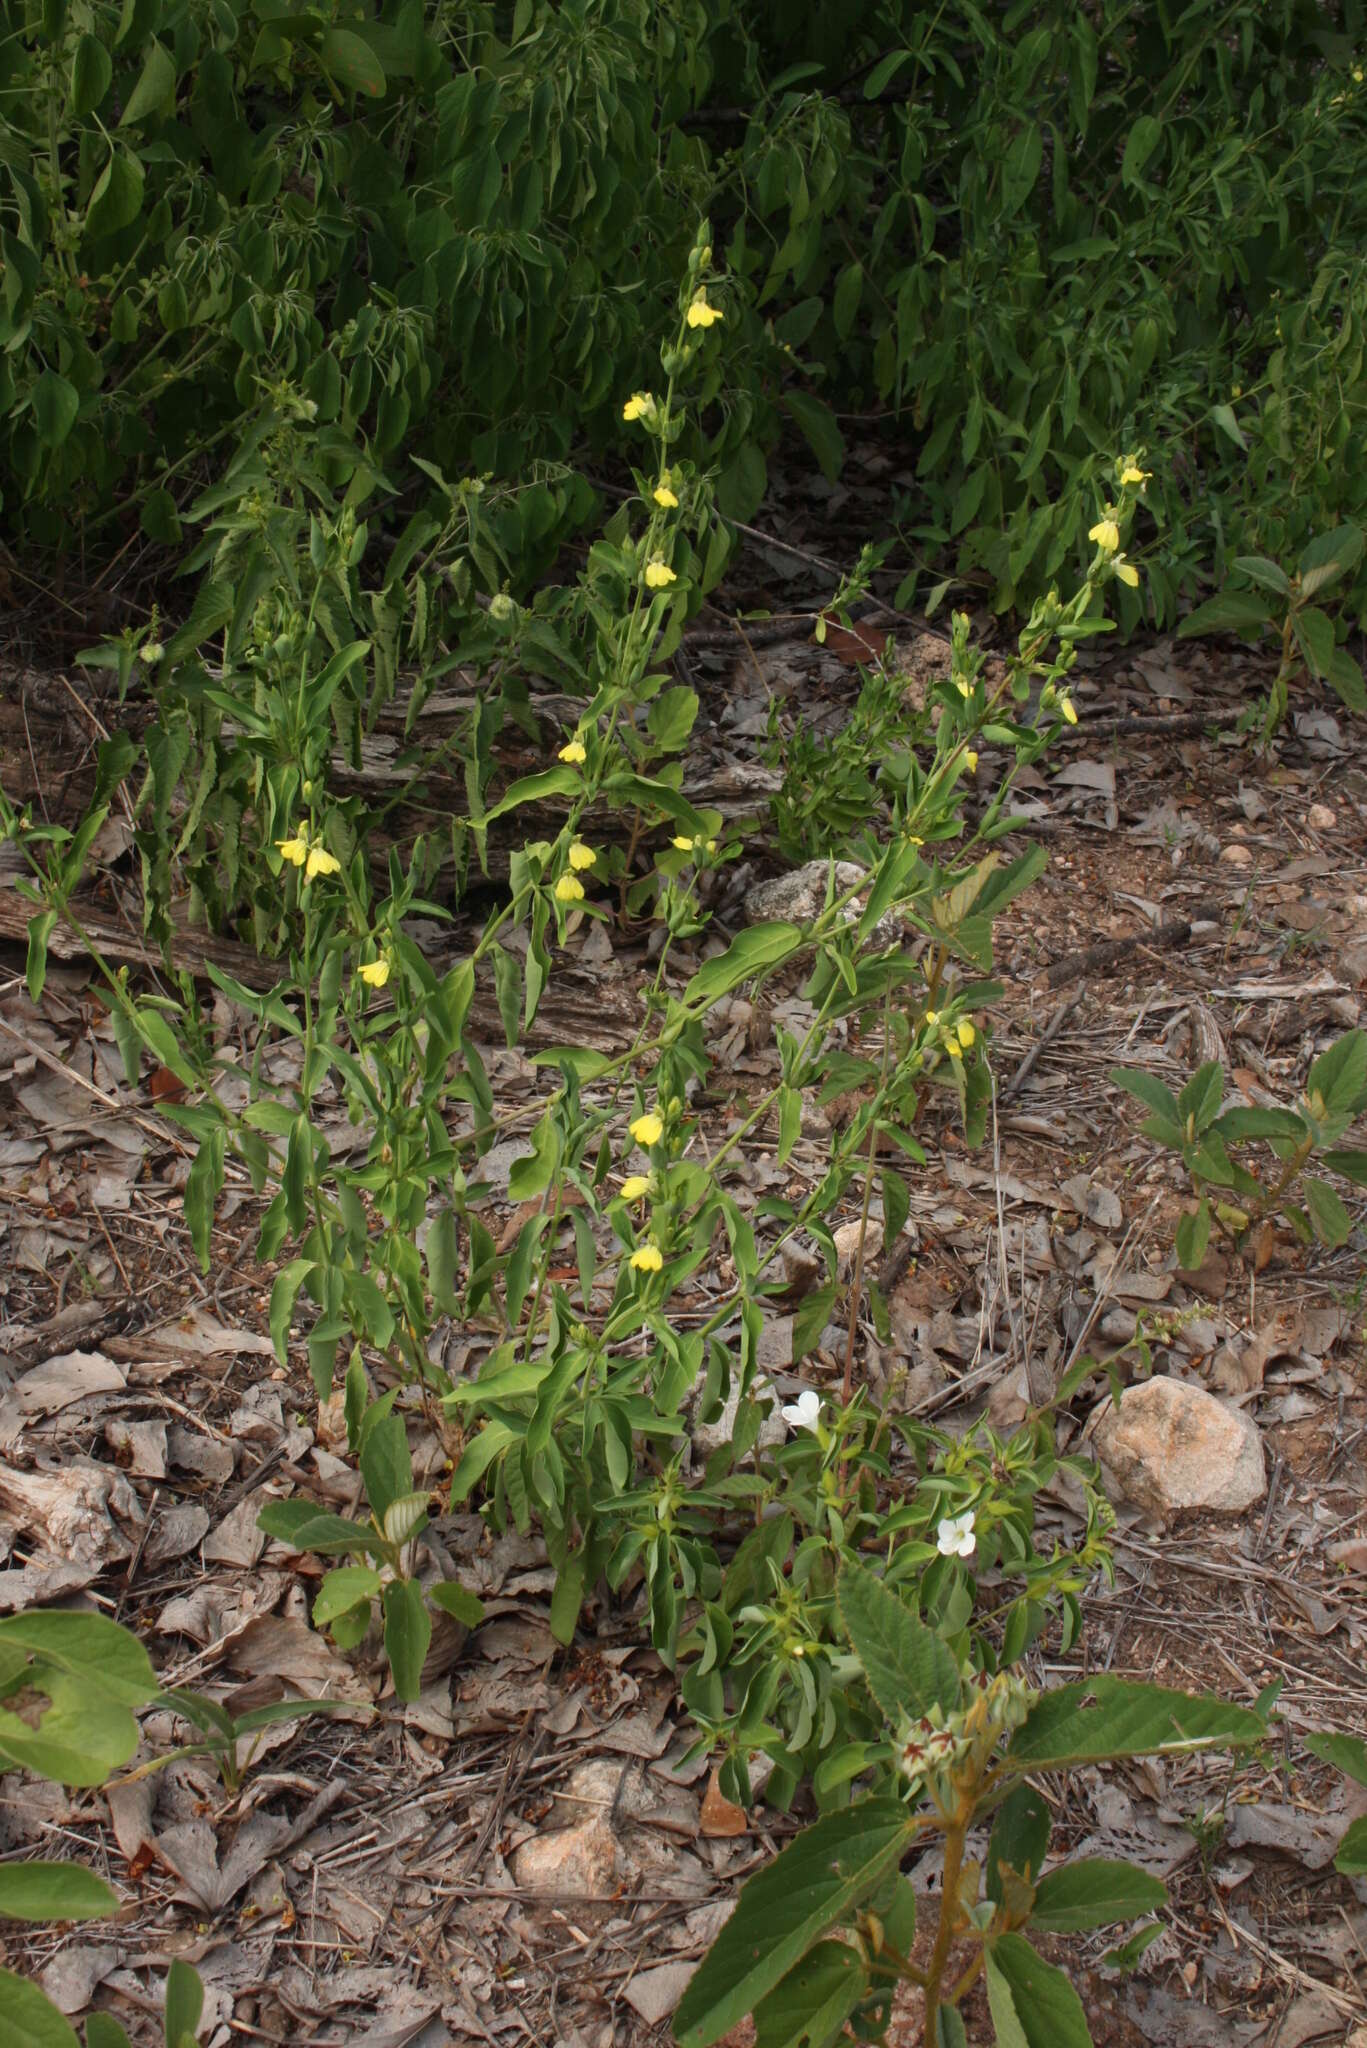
(955, 1535)
(805, 1412)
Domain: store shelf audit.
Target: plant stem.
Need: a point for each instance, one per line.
(944, 1934)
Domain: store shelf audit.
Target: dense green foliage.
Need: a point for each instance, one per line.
(1025, 235)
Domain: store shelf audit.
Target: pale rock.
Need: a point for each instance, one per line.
(1236, 856)
(707, 1437)
(582, 1862)
(1320, 818)
(1170, 1445)
(798, 897)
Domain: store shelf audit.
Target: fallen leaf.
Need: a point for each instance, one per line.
(720, 1817)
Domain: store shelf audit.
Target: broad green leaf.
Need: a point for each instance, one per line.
(1096, 1718)
(1233, 611)
(344, 1589)
(155, 90)
(202, 1186)
(1193, 1235)
(1200, 1099)
(811, 2005)
(184, 2004)
(1347, 1753)
(1333, 1224)
(909, 1668)
(352, 62)
(1033, 2005)
(752, 951)
(1094, 1892)
(27, 2019)
(949, 2028)
(54, 1891)
(1351, 1857)
(91, 72)
(117, 196)
(1339, 1076)
(40, 929)
(820, 429)
(1140, 144)
(55, 406)
(1238, 1124)
(403, 1516)
(386, 1464)
(1148, 1089)
(671, 718)
(1020, 1837)
(407, 1633)
(1020, 168)
(1314, 632)
(306, 1527)
(1261, 570)
(1328, 556)
(284, 1295)
(534, 789)
(457, 1601)
(92, 1673)
(1345, 673)
(102, 2030)
(810, 1887)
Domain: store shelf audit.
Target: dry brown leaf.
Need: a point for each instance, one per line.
(720, 1817)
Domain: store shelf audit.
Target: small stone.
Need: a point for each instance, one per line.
(1236, 856)
(1320, 818)
(580, 1862)
(1171, 1445)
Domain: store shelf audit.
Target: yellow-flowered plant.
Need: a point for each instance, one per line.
(304, 851)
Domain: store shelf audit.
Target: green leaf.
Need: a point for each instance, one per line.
(1140, 144)
(1329, 556)
(1314, 632)
(184, 2004)
(811, 1886)
(344, 1589)
(1262, 571)
(671, 718)
(950, 2031)
(103, 2031)
(752, 951)
(386, 1464)
(1020, 169)
(27, 2020)
(1345, 1752)
(822, 434)
(54, 1891)
(534, 789)
(353, 63)
(1101, 1717)
(1350, 1163)
(1095, 1892)
(55, 406)
(1238, 1124)
(284, 1295)
(457, 1601)
(307, 1527)
(1193, 1235)
(1200, 1099)
(91, 72)
(1148, 1089)
(1346, 676)
(407, 1633)
(1233, 611)
(40, 929)
(1339, 1075)
(1351, 1858)
(1333, 1224)
(117, 197)
(202, 1186)
(1020, 1837)
(155, 90)
(909, 1668)
(1033, 2005)
(811, 2005)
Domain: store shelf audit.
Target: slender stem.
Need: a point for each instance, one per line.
(949, 1916)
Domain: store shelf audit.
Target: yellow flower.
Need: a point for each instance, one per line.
(965, 689)
(1127, 572)
(1106, 534)
(375, 973)
(1133, 474)
(1237, 391)
(659, 575)
(569, 889)
(972, 760)
(573, 753)
(952, 1046)
(634, 1186)
(664, 494)
(581, 856)
(915, 839)
(638, 405)
(296, 850)
(1068, 708)
(648, 1259)
(682, 845)
(700, 314)
(967, 1034)
(647, 1129)
(711, 845)
(932, 1017)
(320, 862)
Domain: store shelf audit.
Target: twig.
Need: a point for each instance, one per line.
(1041, 1045)
(1110, 952)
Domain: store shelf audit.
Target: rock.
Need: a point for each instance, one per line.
(798, 897)
(1170, 1445)
(1320, 818)
(707, 1437)
(582, 1862)
(1236, 856)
